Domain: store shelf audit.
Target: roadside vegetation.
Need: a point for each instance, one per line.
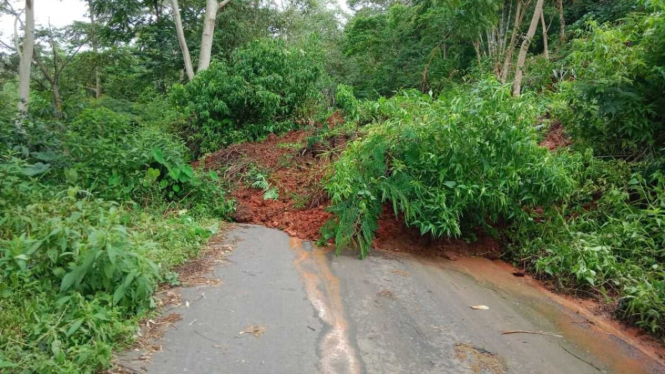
(538, 123)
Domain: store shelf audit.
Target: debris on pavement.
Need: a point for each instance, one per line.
(197, 272)
(255, 330)
(388, 294)
(480, 307)
(481, 360)
(155, 329)
(399, 272)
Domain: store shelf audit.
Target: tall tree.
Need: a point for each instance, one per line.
(25, 53)
(95, 51)
(519, 16)
(521, 59)
(59, 60)
(212, 8)
(189, 69)
(546, 51)
(562, 20)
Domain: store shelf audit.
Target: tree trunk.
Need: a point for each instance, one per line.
(521, 59)
(504, 42)
(26, 58)
(476, 47)
(519, 15)
(158, 10)
(57, 100)
(546, 51)
(212, 7)
(93, 37)
(182, 41)
(52, 80)
(562, 20)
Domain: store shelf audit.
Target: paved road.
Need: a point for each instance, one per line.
(285, 306)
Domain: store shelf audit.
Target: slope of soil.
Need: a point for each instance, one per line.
(293, 168)
(298, 170)
(555, 137)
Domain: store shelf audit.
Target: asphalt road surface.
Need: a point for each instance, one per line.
(286, 306)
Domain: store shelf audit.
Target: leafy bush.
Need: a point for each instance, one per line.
(447, 165)
(611, 244)
(85, 236)
(76, 270)
(110, 155)
(606, 237)
(346, 101)
(249, 97)
(615, 93)
(78, 242)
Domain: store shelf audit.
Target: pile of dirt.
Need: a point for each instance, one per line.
(297, 169)
(556, 137)
(293, 167)
(267, 153)
(393, 235)
(303, 223)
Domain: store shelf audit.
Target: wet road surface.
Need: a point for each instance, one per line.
(286, 306)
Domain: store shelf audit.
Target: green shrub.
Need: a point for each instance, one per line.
(447, 165)
(110, 155)
(119, 159)
(75, 271)
(80, 244)
(253, 95)
(346, 101)
(614, 86)
(607, 238)
(85, 233)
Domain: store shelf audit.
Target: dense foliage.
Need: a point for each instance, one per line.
(615, 102)
(83, 243)
(446, 165)
(607, 237)
(253, 95)
(595, 224)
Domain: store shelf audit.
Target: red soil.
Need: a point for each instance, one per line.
(300, 210)
(393, 235)
(293, 168)
(556, 138)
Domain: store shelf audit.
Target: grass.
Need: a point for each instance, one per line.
(78, 271)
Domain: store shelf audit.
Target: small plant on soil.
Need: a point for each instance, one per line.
(259, 180)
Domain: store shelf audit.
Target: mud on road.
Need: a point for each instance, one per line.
(391, 313)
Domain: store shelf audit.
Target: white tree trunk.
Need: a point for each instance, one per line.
(212, 7)
(208, 32)
(546, 51)
(26, 57)
(181, 39)
(519, 14)
(562, 20)
(93, 35)
(521, 59)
